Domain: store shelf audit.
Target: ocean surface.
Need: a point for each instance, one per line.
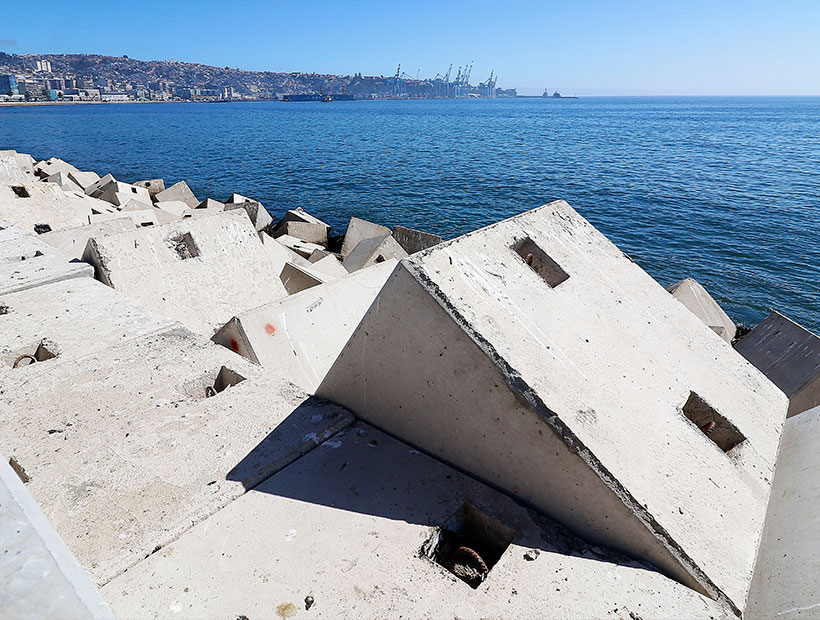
(725, 190)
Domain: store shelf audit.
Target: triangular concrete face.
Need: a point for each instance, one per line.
(692, 295)
(537, 356)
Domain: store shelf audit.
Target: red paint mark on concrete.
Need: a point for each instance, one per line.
(234, 345)
(270, 329)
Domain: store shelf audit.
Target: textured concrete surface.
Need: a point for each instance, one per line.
(118, 193)
(789, 355)
(692, 295)
(154, 186)
(70, 318)
(39, 577)
(178, 192)
(306, 231)
(125, 450)
(372, 251)
(11, 171)
(786, 576)
(61, 180)
(302, 248)
(359, 230)
(72, 241)
(44, 205)
(300, 336)
(25, 262)
(341, 531)
(537, 356)
(413, 241)
(297, 278)
(200, 271)
(257, 213)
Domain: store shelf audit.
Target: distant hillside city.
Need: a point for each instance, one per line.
(89, 77)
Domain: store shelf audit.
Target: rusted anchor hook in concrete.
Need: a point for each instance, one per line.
(708, 427)
(22, 357)
(210, 391)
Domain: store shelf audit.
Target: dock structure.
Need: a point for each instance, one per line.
(205, 412)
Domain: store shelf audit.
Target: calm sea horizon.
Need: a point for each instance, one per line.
(722, 189)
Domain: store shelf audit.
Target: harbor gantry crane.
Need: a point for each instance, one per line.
(396, 84)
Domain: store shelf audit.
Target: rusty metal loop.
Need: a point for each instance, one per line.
(22, 357)
(468, 557)
(209, 391)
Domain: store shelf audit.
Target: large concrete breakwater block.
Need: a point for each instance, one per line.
(39, 577)
(786, 575)
(26, 262)
(66, 320)
(364, 526)
(128, 447)
(200, 271)
(789, 355)
(537, 356)
(692, 295)
(300, 336)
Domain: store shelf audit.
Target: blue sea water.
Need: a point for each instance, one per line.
(725, 190)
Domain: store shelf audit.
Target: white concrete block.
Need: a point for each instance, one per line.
(177, 208)
(302, 248)
(84, 179)
(61, 180)
(789, 355)
(257, 213)
(300, 215)
(342, 533)
(296, 278)
(154, 186)
(178, 191)
(692, 295)
(66, 320)
(300, 336)
(72, 241)
(26, 262)
(119, 194)
(41, 207)
(329, 265)
(200, 271)
(52, 166)
(359, 230)
(541, 359)
(129, 447)
(372, 251)
(413, 241)
(785, 582)
(211, 204)
(39, 577)
(10, 170)
(306, 231)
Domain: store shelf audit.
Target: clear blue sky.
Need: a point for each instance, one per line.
(585, 47)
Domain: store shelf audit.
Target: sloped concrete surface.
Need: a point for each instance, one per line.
(571, 395)
(786, 582)
(341, 531)
(692, 295)
(125, 450)
(358, 230)
(39, 578)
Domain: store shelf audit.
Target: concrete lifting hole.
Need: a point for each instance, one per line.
(184, 246)
(717, 428)
(42, 228)
(212, 383)
(31, 355)
(21, 191)
(469, 544)
(539, 261)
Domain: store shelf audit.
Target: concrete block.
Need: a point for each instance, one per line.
(543, 360)
(359, 230)
(300, 215)
(692, 295)
(345, 532)
(42, 207)
(11, 170)
(45, 169)
(371, 251)
(154, 186)
(53, 323)
(200, 271)
(84, 179)
(789, 355)
(39, 577)
(99, 183)
(129, 447)
(178, 191)
(119, 194)
(306, 231)
(413, 241)
(72, 241)
(297, 278)
(260, 218)
(176, 208)
(300, 336)
(302, 248)
(329, 265)
(26, 262)
(318, 255)
(785, 580)
(211, 205)
(141, 214)
(63, 182)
